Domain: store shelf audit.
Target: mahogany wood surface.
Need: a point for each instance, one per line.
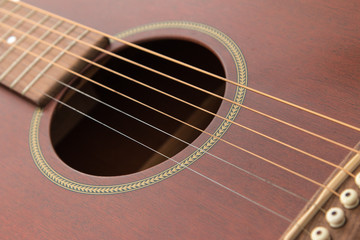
(306, 52)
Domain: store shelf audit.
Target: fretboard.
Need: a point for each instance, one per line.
(39, 50)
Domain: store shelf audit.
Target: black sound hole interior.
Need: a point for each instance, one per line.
(92, 148)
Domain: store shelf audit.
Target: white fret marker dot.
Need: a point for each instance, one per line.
(11, 40)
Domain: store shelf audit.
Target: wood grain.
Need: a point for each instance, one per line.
(303, 51)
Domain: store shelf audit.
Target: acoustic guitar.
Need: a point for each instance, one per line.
(170, 119)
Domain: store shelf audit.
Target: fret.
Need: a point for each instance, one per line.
(24, 53)
(11, 29)
(40, 56)
(29, 64)
(20, 39)
(18, 23)
(3, 2)
(50, 64)
(7, 15)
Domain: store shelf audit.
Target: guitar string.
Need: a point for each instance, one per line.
(189, 66)
(304, 229)
(202, 175)
(132, 99)
(254, 175)
(169, 158)
(183, 101)
(200, 89)
(66, 69)
(179, 139)
(187, 167)
(189, 144)
(95, 99)
(177, 119)
(170, 135)
(196, 172)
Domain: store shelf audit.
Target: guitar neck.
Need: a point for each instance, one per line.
(39, 45)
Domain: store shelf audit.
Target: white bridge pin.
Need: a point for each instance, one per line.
(349, 198)
(320, 233)
(335, 217)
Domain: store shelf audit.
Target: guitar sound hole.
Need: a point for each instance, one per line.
(91, 148)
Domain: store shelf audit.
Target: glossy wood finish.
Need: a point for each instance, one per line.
(303, 51)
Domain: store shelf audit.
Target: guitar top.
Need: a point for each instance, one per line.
(104, 139)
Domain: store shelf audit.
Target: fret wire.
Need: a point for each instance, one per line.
(7, 15)
(51, 63)
(18, 23)
(10, 68)
(28, 68)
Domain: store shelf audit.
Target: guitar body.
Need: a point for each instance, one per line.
(305, 52)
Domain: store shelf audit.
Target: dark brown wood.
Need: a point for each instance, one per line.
(351, 228)
(40, 36)
(305, 52)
